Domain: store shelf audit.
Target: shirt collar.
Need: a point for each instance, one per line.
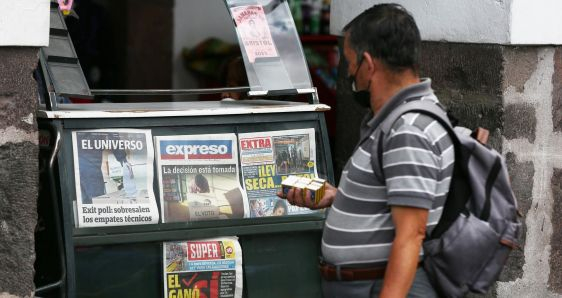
(415, 90)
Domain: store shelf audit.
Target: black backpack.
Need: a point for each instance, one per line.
(479, 225)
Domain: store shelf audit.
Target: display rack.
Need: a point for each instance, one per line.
(279, 253)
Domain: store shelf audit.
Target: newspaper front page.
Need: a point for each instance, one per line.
(113, 170)
(198, 178)
(269, 157)
(203, 268)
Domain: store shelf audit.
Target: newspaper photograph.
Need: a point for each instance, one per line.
(266, 159)
(198, 178)
(113, 170)
(203, 268)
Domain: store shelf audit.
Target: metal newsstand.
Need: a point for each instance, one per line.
(279, 253)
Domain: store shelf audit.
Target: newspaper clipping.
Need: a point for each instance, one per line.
(198, 178)
(269, 157)
(114, 173)
(203, 268)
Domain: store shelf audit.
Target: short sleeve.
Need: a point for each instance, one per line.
(411, 167)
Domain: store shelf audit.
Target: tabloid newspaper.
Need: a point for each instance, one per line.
(203, 268)
(114, 173)
(269, 157)
(198, 178)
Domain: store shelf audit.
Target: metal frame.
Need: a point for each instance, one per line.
(154, 92)
(61, 282)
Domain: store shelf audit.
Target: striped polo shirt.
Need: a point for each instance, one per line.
(417, 164)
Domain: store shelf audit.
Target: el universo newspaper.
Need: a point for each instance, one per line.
(198, 177)
(266, 159)
(203, 268)
(113, 172)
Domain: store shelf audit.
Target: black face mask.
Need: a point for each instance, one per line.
(362, 97)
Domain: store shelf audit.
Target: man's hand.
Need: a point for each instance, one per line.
(295, 197)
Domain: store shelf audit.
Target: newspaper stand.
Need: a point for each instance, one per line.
(279, 253)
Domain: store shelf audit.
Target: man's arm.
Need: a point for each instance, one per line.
(410, 226)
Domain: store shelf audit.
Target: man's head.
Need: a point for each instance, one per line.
(386, 32)
(385, 38)
(199, 184)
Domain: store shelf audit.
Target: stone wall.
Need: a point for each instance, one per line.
(532, 96)
(18, 170)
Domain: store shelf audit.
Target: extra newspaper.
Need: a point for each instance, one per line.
(114, 173)
(198, 178)
(203, 268)
(269, 157)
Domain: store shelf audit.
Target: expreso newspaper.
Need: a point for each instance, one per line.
(198, 178)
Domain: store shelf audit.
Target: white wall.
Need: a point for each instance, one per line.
(24, 22)
(478, 21)
(471, 21)
(536, 22)
(194, 21)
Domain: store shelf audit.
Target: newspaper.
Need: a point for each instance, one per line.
(269, 157)
(203, 268)
(114, 173)
(198, 178)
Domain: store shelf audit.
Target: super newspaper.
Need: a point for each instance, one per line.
(198, 178)
(113, 175)
(269, 157)
(203, 268)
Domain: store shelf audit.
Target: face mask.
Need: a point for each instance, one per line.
(362, 97)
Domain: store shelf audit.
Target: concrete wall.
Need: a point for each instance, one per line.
(532, 97)
(24, 26)
(479, 21)
(18, 170)
(536, 22)
(475, 21)
(24, 23)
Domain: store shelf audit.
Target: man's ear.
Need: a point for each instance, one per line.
(373, 64)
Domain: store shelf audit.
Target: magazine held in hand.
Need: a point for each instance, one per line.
(198, 178)
(113, 175)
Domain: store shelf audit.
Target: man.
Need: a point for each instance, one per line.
(393, 187)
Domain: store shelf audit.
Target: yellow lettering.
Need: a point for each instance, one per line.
(173, 281)
(250, 184)
(266, 183)
(259, 183)
(172, 294)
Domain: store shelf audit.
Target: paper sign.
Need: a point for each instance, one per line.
(254, 32)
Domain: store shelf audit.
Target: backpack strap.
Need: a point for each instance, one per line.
(458, 190)
(427, 107)
(432, 109)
